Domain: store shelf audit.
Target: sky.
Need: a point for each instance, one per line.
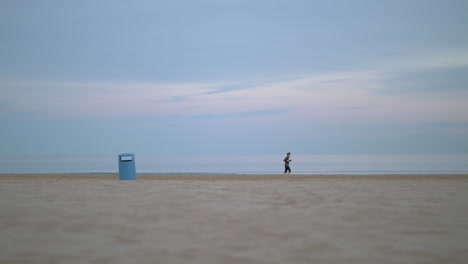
(233, 77)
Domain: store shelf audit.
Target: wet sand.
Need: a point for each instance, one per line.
(190, 218)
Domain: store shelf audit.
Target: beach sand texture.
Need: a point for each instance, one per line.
(80, 218)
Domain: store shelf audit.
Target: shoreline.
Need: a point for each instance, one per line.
(232, 177)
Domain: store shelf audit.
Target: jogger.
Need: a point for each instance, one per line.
(286, 163)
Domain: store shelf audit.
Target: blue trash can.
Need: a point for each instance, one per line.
(127, 169)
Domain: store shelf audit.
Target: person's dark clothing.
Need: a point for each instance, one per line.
(286, 164)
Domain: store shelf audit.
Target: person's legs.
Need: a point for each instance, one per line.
(287, 169)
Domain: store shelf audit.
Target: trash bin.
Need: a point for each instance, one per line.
(127, 170)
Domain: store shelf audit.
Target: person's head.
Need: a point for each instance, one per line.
(289, 154)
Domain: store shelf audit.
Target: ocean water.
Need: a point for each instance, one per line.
(240, 164)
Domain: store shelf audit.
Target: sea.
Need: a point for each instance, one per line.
(240, 164)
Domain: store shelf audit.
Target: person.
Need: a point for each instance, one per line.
(286, 163)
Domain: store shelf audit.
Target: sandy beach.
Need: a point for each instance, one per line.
(190, 218)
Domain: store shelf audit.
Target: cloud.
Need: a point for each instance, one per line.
(210, 116)
(244, 85)
(96, 99)
(246, 114)
(437, 59)
(428, 81)
(229, 88)
(399, 92)
(178, 99)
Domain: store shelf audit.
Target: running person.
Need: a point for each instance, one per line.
(286, 163)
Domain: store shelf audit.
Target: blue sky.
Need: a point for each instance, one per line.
(233, 77)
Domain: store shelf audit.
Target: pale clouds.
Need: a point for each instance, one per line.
(94, 99)
(359, 97)
(437, 59)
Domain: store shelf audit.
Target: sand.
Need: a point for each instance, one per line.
(94, 218)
